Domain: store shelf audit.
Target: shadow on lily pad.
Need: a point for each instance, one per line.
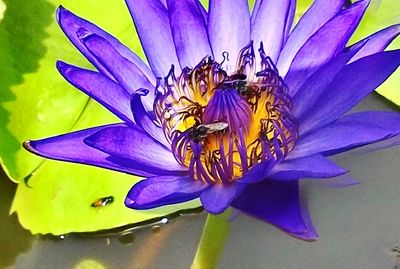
(14, 239)
(22, 31)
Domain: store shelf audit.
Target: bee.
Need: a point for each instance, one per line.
(237, 81)
(103, 201)
(201, 131)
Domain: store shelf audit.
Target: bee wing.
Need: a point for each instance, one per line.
(216, 126)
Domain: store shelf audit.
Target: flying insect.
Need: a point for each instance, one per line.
(103, 201)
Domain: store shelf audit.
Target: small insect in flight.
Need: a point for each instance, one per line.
(201, 131)
(103, 201)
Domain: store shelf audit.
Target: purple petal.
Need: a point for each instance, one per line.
(314, 86)
(381, 145)
(289, 20)
(100, 88)
(203, 11)
(269, 26)
(220, 196)
(352, 131)
(256, 8)
(343, 181)
(258, 172)
(228, 27)
(349, 87)
(153, 27)
(124, 71)
(316, 16)
(377, 42)
(326, 43)
(133, 144)
(70, 24)
(70, 147)
(189, 32)
(316, 166)
(145, 122)
(278, 202)
(164, 190)
(200, 6)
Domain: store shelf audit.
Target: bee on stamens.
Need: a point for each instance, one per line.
(103, 201)
(200, 131)
(234, 81)
(250, 91)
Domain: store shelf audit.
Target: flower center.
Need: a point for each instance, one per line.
(221, 125)
(226, 105)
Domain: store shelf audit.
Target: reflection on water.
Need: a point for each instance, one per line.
(126, 238)
(13, 238)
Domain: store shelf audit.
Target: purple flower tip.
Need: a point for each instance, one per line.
(59, 12)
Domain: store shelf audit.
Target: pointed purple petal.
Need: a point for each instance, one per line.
(125, 72)
(352, 131)
(164, 190)
(133, 144)
(71, 148)
(153, 27)
(100, 88)
(317, 83)
(381, 145)
(343, 181)
(145, 122)
(279, 203)
(326, 43)
(349, 87)
(70, 24)
(220, 196)
(316, 166)
(269, 26)
(377, 42)
(316, 16)
(189, 32)
(228, 28)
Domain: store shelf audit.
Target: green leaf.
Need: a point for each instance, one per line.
(380, 14)
(211, 246)
(36, 102)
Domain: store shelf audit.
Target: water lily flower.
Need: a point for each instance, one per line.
(234, 107)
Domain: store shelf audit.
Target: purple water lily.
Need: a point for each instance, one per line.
(234, 107)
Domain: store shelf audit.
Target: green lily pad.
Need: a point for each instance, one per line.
(2, 9)
(36, 102)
